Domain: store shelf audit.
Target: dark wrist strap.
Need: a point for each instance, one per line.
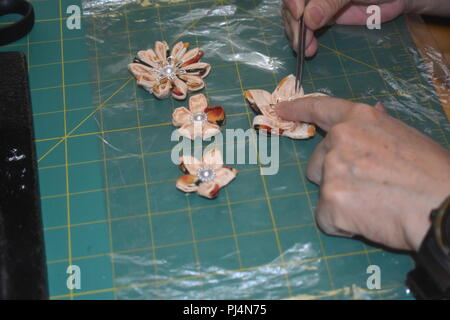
(21, 28)
(431, 278)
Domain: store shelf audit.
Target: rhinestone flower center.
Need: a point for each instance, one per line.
(206, 174)
(168, 71)
(199, 117)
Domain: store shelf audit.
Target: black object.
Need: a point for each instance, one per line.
(20, 28)
(431, 278)
(22, 260)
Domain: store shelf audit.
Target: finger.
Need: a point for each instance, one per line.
(319, 12)
(357, 13)
(312, 48)
(323, 111)
(287, 27)
(315, 164)
(292, 27)
(324, 218)
(380, 107)
(295, 7)
(309, 41)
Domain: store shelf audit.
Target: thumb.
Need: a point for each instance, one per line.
(322, 111)
(319, 12)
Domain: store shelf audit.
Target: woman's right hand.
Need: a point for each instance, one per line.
(319, 13)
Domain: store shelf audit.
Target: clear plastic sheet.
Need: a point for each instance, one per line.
(258, 239)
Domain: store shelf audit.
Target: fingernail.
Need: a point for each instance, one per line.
(316, 15)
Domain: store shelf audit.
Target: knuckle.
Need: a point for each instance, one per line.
(311, 173)
(335, 193)
(324, 222)
(361, 166)
(340, 133)
(364, 112)
(329, 5)
(334, 164)
(332, 6)
(336, 197)
(329, 193)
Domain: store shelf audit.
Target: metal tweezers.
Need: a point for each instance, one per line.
(301, 48)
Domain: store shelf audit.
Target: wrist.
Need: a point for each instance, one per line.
(418, 227)
(417, 230)
(428, 7)
(431, 277)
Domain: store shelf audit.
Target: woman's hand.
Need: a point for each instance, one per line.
(319, 13)
(378, 177)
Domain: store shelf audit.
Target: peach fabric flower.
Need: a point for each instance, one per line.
(164, 73)
(268, 120)
(199, 120)
(206, 176)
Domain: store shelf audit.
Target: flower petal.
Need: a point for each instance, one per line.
(224, 176)
(216, 115)
(198, 103)
(179, 50)
(269, 112)
(191, 164)
(258, 99)
(149, 57)
(180, 90)
(285, 90)
(270, 115)
(194, 83)
(200, 69)
(265, 125)
(162, 90)
(315, 94)
(187, 183)
(192, 56)
(210, 130)
(187, 131)
(301, 131)
(213, 159)
(208, 190)
(191, 130)
(143, 75)
(161, 49)
(181, 116)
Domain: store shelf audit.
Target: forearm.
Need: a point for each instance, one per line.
(429, 7)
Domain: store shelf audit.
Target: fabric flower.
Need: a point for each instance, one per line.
(163, 72)
(268, 120)
(206, 177)
(199, 120)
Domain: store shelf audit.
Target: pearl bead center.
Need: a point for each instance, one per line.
(168, 71)
(199, 117)
(206, 174)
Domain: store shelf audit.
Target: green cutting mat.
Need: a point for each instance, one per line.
(107, 183)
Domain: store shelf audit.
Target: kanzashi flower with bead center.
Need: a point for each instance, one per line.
(199, 120)
(164, 72)
(206, 177)
(268, 120)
